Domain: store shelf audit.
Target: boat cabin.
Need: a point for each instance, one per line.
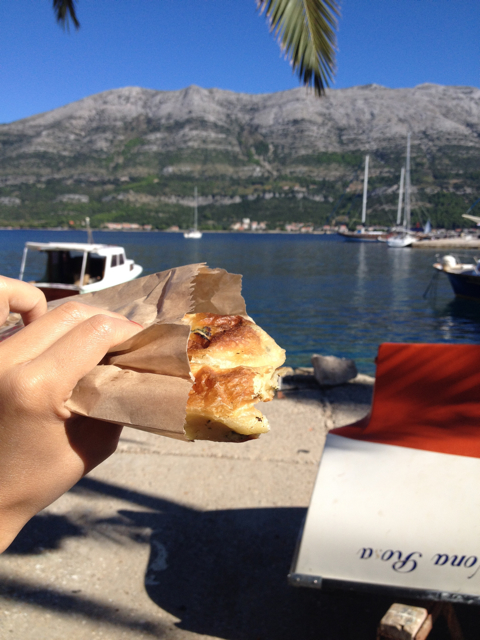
(72, 268)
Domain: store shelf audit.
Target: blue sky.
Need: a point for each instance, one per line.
(170, 44)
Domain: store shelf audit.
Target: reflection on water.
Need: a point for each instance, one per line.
(314, 294)
(457, 318)
(361, 275)
(463, 309)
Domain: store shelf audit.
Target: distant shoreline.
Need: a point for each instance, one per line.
(252, 233)
(435, 243)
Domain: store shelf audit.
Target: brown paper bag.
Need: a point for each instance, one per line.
(144, 382)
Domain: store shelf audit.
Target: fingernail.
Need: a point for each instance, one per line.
(138, 325)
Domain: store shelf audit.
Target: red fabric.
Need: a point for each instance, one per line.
(426, 396)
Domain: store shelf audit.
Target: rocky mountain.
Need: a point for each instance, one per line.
(136, 154)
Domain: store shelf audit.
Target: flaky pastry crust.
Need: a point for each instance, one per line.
(234, 363)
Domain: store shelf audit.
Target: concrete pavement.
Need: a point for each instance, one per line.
(188, 541)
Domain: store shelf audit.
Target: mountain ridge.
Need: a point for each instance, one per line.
(235, 146)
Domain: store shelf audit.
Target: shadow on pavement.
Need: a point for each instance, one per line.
(222, 573)
(44, 532)
(57, 601)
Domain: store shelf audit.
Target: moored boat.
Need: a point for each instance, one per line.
(403, 238)
(401, 241)
(74, 267)
(194, 234)
(464, 277)
(361, 235)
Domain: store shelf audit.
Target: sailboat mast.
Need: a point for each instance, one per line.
(400, 196)
(365, 188)
(195, 220)
(407, 188)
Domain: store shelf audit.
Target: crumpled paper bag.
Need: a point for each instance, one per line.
(144, 382)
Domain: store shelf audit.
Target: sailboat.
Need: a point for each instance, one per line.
(400, 197)
(361, 235)
(404, 239)
(194, 234)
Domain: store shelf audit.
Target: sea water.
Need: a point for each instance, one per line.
(312, 293)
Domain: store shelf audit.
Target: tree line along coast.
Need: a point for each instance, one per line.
(292, 208)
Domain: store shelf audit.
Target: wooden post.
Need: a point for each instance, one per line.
(404, 622)
(401, 622)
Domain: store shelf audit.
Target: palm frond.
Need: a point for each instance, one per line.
(64, 11)
(305, 30)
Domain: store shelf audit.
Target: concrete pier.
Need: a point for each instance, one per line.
(446, 244)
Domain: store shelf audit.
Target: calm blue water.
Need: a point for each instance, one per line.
(313, 294)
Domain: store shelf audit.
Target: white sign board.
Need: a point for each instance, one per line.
(393, 516)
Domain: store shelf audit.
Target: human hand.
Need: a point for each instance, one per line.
(44, 448)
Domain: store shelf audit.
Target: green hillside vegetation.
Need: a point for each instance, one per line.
(322, 188)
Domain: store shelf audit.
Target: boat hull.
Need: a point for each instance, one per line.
(400, 242)
(52, 292)
(361, 237)
(465, 285)
(56, 291)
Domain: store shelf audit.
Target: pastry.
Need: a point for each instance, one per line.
(234, 363)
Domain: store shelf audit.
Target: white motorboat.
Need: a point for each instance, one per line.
(74, 267)
(464, 277)
(194, 234)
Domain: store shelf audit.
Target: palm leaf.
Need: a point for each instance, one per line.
(64, 11)
(305, 30)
